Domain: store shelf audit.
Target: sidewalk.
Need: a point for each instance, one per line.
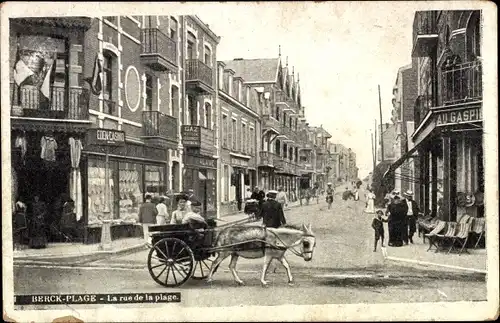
(76, 253)
(417, 255)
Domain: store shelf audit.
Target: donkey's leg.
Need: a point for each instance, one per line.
(288, 271)
(267, 261)
(220, 257)
(232, 268)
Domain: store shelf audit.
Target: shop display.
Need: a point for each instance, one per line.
(129, 191)
(96, 183)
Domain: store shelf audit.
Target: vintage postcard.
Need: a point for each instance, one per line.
(249, 161)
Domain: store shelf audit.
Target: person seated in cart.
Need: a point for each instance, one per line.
(178, 215)
(194, 218)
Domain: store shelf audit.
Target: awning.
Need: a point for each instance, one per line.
(400, 161)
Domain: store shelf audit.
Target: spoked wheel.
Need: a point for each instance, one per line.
(202, 267)
(170, 262)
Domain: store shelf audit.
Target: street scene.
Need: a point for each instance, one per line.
(237, 160)
(344, 269)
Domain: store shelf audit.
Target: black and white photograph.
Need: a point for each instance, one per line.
(249, 161)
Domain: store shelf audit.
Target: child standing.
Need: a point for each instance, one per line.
(378, 227)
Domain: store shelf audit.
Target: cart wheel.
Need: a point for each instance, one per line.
(170, 262)
(202, 267)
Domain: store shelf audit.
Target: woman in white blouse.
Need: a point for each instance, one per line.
(178, 215)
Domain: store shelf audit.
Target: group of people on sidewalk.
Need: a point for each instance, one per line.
(401, 216)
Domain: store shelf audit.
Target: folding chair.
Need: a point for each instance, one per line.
(427, 227)
(441, 239)
(440, 226)
(461, 237)
(479, 229)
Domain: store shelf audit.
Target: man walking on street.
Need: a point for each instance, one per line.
(147, 215)
(411, 215)
(281, 198)
(272, 212)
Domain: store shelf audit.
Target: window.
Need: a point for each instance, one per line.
(174, 101)
(252, 141)
(173, 28)
(109, 105)
(243, 138)
(278, 113)
(111, 19)
(284, 119)
(191, 51)
(193, 111)
(234, 134)
(227, 183)
(208, 56)
(224, 130)
(208, 116)
(149, 92)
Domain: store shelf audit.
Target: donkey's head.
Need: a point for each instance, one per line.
(308, 243)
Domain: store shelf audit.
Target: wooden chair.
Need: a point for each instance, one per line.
(478, 229)
(448, 235)
(440, 226)
(462, 236)
(428, 226)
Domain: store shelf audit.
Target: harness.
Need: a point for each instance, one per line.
(292, 246)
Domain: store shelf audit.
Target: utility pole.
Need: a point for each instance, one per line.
(373, 153)
(375, 145)
(381, 122)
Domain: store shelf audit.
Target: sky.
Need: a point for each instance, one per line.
(342, 52)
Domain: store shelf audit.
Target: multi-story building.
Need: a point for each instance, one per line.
(448, 112)
(239, 136)
(116, 137)
(278, 96)
(307, 155)
(322, 155)
(340, 163)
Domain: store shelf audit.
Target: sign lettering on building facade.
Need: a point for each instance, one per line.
(108, 137)
(191, 136)
(201, 161)
(239, 162)
(458, 116)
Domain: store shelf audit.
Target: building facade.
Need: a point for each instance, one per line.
(448, 113)
(239, 134)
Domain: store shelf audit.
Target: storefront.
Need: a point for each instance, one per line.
(200, 175)
(45, 163)
(450, 162)
(133, 170)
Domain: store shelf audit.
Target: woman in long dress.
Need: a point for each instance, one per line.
(370, 202)
(397, 211)
(38, 236)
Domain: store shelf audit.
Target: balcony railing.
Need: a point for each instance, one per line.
(155, 42)
(157, 124)
(270, 122)
(425, 33)
(462, 83)
(196, 70)
(109, 106)
(64, 102)
(285, 165)
(267, 158)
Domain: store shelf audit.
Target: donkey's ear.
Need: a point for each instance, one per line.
(310, 229)
(304, 227)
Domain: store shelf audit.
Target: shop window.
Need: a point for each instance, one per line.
(154, 180)
(130, 190)
(97, 189)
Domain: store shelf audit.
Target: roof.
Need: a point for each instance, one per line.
(255, 70)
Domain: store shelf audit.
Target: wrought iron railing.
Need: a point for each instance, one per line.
(63, 102)
(197, 70)
(154, 41)
(157, 124)
(109, 106)
(267, 158)
(425, 23)
(462, 83)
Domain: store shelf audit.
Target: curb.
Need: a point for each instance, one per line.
(76, 259)
(427, 264)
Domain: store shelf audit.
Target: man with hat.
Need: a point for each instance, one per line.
(411, 216)
(272, 212)
(147, 215)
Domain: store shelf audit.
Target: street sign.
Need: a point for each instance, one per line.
(191, 136)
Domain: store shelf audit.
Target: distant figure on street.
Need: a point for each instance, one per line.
(378, 227)
(162, 217)
(411, 216)
(282, 198)
(370, 202)
(272, 212)
(330, 191)
(147, 215)
(347, 194)
(397, 211)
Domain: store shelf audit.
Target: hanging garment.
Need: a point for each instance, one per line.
(75, 151)
(21, 143)
(49, 146)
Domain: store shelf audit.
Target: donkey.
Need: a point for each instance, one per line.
(257, 242)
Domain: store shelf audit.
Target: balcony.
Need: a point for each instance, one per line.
(281, 99)
(199, 76)
(425, 33)
(288, 134)
(159, 51)
(160, 129)
(305, 167)
(306, 146)
(285, 166)
(270, 123)
(267, 159)
(462, 83)
(199, 138)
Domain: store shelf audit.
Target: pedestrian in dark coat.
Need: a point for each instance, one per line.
(147, 215)
(411, 216)
(272, 212)
(397, 211)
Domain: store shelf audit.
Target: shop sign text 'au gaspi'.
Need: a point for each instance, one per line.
(458, 116)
